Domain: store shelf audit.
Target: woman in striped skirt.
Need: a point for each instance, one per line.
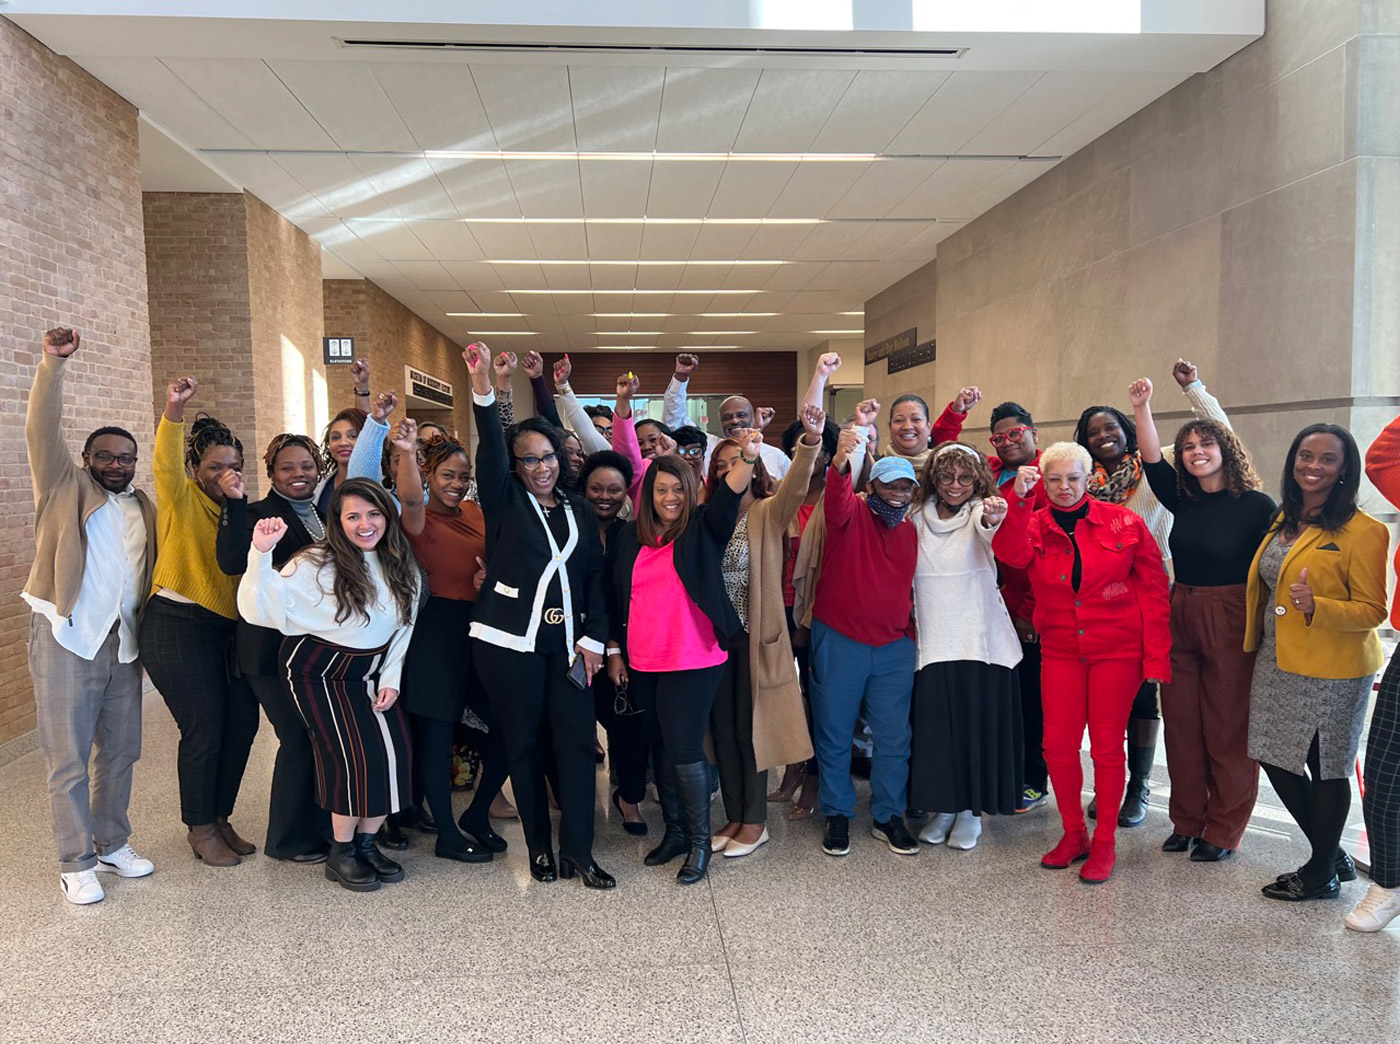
(347, 607)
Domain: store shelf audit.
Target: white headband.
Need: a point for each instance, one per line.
(957, 446)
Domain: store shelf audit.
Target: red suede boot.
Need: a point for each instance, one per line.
(1073, 847)
(1101, 859)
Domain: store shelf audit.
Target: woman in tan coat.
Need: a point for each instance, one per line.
(757, 722)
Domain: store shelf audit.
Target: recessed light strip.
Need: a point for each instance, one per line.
(555, 293)
(639, 262)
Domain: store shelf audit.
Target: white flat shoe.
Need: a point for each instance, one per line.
(719, 842)
(735, 850)
(935, 832)
(966, 830)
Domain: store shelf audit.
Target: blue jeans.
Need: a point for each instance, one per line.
(846, 674)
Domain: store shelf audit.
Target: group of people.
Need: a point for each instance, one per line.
(713, 600)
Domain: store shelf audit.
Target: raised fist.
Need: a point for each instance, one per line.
(967, 398)
(267, 533)
(563, 370)
(765, 417)
(828, 364)
(61, 341)
(1140, 392)
(533, 364)
(406, 435)
(231, 484)
(993, 511)
(866, 411)
(813, 419)
(1184, 372)
(475, 356)
(383, 405)
(686, 364)
(1026, 478)
(181, 390)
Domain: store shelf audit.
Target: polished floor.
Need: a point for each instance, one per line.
(786, 945)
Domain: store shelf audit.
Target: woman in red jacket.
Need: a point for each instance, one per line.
(1102, 610)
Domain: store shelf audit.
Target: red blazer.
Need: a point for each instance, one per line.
(1383, 469)
(1121, 609)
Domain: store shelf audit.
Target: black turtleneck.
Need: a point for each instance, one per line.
(1067, 520)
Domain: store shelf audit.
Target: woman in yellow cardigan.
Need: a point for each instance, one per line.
(187, 630)
(1316, 593)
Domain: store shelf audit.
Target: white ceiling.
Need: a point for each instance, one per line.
(788, 238)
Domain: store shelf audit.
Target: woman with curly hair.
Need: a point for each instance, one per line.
(297, 828)
(187, 630)
(346, 606)
(966, 757)
(1219, 518)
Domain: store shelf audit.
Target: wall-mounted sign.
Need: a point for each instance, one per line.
(435, 393)
(914, 355)
(889, 345)
(338, 351)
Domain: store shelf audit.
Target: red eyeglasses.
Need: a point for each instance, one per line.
(1011, 435)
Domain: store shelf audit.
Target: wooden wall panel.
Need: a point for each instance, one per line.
(767, 378)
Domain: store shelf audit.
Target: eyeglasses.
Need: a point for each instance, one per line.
(957, 480)
(1012, 435)
(605, 432)
(691, 451)
(126, 460)
(533, 463)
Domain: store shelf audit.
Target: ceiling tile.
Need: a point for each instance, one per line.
(945, 192)
(427, 275)
(702, 109)
(152, 87)
(393, 240)
(749, 189)
(556, 241)
(438, 103)
(1051, 104)
(617, 241)
(247, 94)
(882, 184)
(958, 111)
(875, 107)
(789, 107)
(616, 108)
(546, 188)
(338, 184)
(409, 185)
(477, 187)
(528, 105)
(348, 102)
(683, 189)
(615, 189)
(450, 240)
(815, 188)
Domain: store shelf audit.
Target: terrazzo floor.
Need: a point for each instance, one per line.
(787, 945)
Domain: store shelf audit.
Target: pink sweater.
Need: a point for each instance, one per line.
(674, 635)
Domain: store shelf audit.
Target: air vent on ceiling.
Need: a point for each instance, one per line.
(726, 50)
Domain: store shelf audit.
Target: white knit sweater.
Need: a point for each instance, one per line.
(958, 611)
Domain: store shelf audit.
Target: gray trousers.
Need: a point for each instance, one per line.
(82, 704)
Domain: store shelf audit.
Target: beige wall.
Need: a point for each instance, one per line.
(70, 225)
(235, 293)
(389, 336)
(1249, 220)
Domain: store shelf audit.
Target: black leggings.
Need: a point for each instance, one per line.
(629, 743)
(678, 707)
(187, 649)
(531, 693)
(1145, 703)
(745, 789)
(1319, 807)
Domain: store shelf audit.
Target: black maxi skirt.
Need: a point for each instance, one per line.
(438, 677)
(363, 763)
(967, 744)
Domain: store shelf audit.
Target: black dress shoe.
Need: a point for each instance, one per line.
(316, 855)
(384, 868)
(1292, 889)
(1179, 843)
(542, 867)
(418, 817)
(484, 835)
(593, 875)
(391, 835)
(1205, 852)
(467, 853)
(1342, 866)
(635, 829)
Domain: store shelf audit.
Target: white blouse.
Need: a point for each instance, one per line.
(300, 600)
(958, 611)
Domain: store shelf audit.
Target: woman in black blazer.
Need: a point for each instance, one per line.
(297, 827)
(665, 570)
(539, 624)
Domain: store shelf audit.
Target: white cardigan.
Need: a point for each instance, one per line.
(299, 600)
(958, 611)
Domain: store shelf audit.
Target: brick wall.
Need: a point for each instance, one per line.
(70, 222)
(390, 336)
(235, 292)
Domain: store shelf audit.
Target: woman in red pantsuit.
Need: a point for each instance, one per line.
(1101, 609)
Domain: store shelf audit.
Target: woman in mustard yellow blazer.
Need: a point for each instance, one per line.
(1316, 593)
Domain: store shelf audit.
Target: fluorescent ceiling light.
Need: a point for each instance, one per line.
(711, 293)
(644, 263)
(667, 315)
(850, 313)
(831, 332)
(677, 333)
(505, 333)
(489, 315)
(658, 348)
(660, 157)
(643, 221)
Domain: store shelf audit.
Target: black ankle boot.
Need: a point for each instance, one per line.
(673, 841)
(345, 867)
(693, 785)
(384, 868)
(1142, 748)
(391, 834)
(593, 875)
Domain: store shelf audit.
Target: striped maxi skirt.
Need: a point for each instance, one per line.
(363, 764)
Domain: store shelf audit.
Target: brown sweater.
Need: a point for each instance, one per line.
(65, 496)
(779, 726)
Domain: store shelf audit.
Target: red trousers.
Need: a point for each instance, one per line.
(1097, 694)
(1205, 712)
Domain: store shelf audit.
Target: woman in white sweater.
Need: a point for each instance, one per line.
(347, 607)
(966, 756)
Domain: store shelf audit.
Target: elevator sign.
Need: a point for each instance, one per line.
(338, 351)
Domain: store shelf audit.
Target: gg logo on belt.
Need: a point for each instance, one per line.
(554, 616)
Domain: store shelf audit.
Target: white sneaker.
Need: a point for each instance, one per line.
(936, 832)
(1378, 907)
(81, 887)
(125, 863)
(966, 830)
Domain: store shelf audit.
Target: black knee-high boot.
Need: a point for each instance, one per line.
(1142, 748)
(693, 783)
(674, 841)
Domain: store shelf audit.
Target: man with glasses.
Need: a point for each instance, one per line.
(91, 574)
(691, 443)
(736, 413)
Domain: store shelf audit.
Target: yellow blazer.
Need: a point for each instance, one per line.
(1346, 571)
